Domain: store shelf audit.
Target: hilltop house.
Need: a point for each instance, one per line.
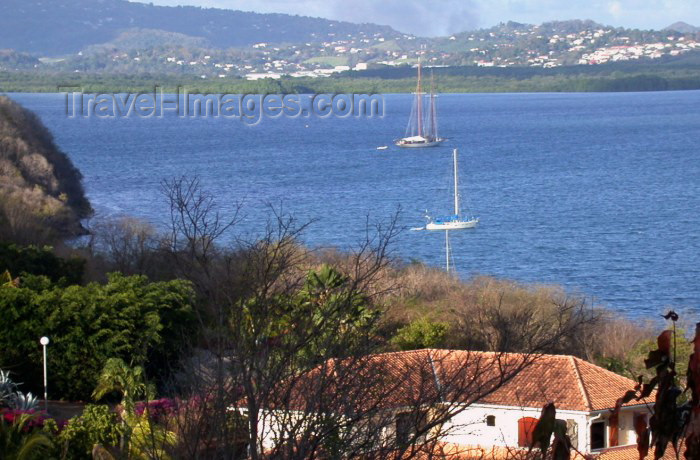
(495, 399)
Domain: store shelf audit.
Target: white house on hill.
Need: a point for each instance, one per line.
(488, 401)
(583, 394)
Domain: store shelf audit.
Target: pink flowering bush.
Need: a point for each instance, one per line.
(36, 419)
(159, 410)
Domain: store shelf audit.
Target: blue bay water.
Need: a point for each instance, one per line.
(597, 192)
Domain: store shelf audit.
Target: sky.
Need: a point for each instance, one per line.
(443, 17)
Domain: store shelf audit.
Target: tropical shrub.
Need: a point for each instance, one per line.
(14, 399)
(98, 424)
(157, 410)
(35, 260)
(7, 388)
(421, 333)
(141, 437)
(21, 438)
(128, 317)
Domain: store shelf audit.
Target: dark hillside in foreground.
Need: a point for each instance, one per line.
(41, 194)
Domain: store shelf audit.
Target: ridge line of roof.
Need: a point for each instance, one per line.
(454, 350)
(438, 386)
(581, 386)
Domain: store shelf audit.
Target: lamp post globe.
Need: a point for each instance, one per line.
(45, 341)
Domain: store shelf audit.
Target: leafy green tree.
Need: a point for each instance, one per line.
(421, 333)
(35, 260)
(128, 317)
(141, 438)
(98, 424)
(130, 382)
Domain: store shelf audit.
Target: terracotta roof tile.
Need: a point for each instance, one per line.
(405, 378)
(450, 451)
(631, 453)
(569, 382)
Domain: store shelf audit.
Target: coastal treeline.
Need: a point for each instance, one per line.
(466, 79)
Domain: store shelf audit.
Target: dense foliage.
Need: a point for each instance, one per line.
(96, 425)
(127, 317)
(18, 260)
(602, 78)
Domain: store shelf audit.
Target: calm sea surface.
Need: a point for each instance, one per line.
(597, 192)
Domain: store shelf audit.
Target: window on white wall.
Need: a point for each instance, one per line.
(490, 420)
(598, 435)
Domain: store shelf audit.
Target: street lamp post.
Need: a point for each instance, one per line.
(45, 341)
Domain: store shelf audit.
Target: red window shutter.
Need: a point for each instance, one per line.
(614, 430)
(526, 426)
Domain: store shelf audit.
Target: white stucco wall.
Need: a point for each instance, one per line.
(469, 427)
(626, 434)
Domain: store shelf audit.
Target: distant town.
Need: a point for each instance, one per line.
(554, 44)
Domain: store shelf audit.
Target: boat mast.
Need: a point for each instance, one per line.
(447, 251)
(432, 115)
(454, 162)
(419, 101)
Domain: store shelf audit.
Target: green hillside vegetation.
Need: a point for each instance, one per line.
(330, 61)
(138, 39)
(603, 78)
(12, 60)
(41, 194)
(389, 45)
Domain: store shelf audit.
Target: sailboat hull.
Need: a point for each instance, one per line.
(453, 225)
(417, 145)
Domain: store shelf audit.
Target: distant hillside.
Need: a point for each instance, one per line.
(138, 39)
(41, 195)
(12, 60)
(55, 27)
(683, 27)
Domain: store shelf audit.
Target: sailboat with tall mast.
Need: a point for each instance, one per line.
(456, 221)
(422, 130)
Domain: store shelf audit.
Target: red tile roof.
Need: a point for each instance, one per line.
(450, 451)
(569, 382)
(507, 379)
(430, 376)
(631, 453)
(445, 451)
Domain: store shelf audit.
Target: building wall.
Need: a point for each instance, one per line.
(626, 433)
(470, 428)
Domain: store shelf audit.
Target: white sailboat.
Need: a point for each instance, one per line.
(455, 221)
(422, 125)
